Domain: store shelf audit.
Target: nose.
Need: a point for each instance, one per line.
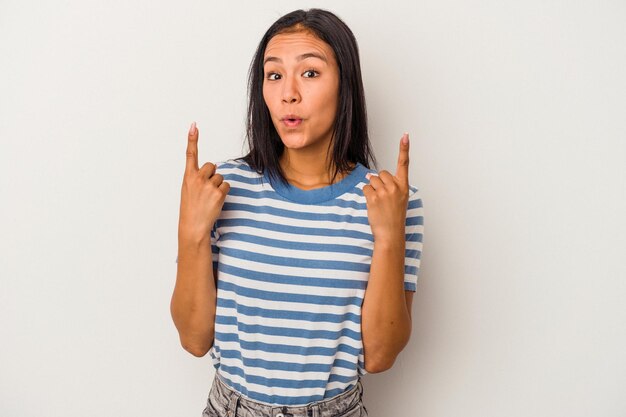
(291, 93)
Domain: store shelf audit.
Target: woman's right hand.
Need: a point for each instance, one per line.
(202, 195)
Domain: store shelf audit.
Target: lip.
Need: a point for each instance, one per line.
(291, 120)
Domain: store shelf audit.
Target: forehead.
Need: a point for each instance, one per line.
(295, 43)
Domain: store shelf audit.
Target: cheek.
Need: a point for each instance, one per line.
(330, 100)
(267, 97)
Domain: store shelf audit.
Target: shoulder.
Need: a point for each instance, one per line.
(414, 193)
(236, 167)
(230, 164)
(239, 175)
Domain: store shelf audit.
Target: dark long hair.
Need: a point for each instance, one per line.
(350, 140)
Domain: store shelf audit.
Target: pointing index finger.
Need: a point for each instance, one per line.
(192, 149)
(402, 172)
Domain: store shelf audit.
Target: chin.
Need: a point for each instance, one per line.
(292, 141)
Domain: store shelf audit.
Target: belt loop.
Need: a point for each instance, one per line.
(233, 403)
(313, 411)
(317, 410)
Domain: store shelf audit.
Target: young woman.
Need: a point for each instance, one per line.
(297, 263)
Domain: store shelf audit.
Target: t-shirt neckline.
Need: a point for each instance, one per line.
(318, 195)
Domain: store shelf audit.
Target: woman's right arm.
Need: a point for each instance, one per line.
(193, 301)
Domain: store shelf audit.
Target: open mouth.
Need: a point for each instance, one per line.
(292, 121)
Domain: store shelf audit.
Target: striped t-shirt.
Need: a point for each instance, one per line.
(293, 267)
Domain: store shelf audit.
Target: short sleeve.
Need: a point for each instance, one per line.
(414, 237)
(215, 251)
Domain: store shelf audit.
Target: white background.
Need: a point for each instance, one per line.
(516, 111)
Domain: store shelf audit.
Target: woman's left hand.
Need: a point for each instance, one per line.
(387, 196)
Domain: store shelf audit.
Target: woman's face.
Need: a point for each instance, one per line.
(300, 88)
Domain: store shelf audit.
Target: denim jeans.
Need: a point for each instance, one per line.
(223, 401)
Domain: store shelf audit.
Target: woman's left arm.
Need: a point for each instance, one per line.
(386, 311)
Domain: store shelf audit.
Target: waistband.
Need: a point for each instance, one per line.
(231, 403)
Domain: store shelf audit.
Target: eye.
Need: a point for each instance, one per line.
(272, 76)
(310, 73)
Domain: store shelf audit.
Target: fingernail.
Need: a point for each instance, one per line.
(405, 138)
(192, 129)
(368, 175)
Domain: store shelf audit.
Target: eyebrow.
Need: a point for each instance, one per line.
(298, 58)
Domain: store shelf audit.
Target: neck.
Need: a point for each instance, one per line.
(308, 170)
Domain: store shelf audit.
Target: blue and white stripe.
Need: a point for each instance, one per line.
(293, 267)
